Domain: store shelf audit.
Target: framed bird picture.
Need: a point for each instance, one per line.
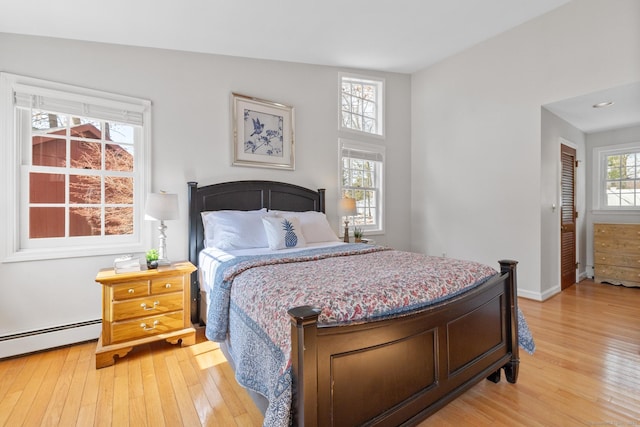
(263, 134)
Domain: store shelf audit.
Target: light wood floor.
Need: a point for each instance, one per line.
(586, 371)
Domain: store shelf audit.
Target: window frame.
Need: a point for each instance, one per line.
(14, 127)
(380, 104)
(372, 150)
(600, 179)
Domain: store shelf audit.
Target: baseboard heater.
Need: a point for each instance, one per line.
(47, 338)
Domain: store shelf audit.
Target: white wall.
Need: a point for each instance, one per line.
(476, 130)
(191, 141)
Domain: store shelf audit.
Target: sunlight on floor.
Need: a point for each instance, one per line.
(207, 354)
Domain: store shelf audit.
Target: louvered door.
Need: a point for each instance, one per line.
(568, 218)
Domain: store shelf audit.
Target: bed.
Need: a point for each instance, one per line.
(392, 370)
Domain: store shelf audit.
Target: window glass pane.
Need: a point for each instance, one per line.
(369, 125)
(46, 222)
(369, 92)
(613, 167)
(86, 155)
(86, 128)
(119, 132)
(630, 172)
(84, 189)
(346, 102)
(118, 221)
(356, 178)
(42, 120)
(48, 151)
(118, 158)
(369, 109)
(118, 190)
(46, 188)
(84, 222)
(627, 193)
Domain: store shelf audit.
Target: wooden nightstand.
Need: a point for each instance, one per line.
(142, 307)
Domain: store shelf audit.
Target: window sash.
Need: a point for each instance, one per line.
(361, 104)
(368, 193)
(617, 185)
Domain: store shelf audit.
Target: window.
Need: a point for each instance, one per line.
(619, 177)
(362, 168)
(362, 104)
(76, 167)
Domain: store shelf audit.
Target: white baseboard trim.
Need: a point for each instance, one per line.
(43, 339)
(538, 296)
(529, 295)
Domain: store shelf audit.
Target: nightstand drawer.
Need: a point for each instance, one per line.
(149, 306)
(146, 326)
(167, 284)
(131, 290)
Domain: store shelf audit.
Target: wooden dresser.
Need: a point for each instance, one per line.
(616, 257)
(144, 306)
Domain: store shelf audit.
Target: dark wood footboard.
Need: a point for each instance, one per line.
(400, 371)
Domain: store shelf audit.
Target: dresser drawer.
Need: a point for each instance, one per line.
(631, 246)
(146, 326)
(629, 231)
(167, 284)
(148, 306)
(615, 274)
(131, 290)
(617, 259)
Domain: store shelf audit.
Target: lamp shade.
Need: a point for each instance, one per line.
(347, 206)
(161, 206)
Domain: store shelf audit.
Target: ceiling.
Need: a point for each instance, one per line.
(386, 35)
(389, 35)
(579, 111)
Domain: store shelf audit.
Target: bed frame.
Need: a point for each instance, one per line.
(383, 373)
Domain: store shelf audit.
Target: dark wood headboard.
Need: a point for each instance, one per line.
(245, 196)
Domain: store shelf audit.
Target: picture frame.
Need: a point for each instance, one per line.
(263, 133)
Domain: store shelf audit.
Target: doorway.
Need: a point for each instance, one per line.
(568, 215)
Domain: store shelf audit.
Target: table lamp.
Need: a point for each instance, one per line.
(162, 206)
(347, 208)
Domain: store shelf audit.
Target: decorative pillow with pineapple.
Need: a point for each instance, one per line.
(283, 233)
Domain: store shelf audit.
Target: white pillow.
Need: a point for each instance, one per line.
(283, 232)
(315, 227)
(230, 230)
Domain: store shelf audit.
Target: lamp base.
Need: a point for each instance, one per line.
(346, 232)
(164, 262)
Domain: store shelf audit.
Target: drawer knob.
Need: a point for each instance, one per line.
(167, 286)
(155, 304)
(131, 291)
(147, 328)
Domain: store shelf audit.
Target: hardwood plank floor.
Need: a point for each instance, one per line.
(586, 371)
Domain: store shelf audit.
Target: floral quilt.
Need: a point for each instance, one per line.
(350, 283)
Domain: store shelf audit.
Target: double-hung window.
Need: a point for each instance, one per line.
(361, 161)
(618, 171)
(362, 177)
(76, 164)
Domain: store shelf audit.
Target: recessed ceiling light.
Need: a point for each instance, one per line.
(603, 104)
